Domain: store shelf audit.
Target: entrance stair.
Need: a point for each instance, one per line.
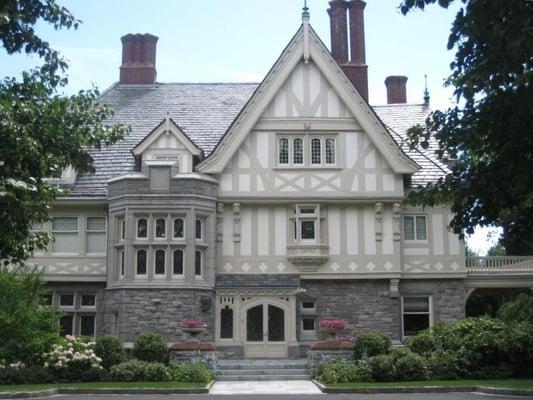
(263, 370)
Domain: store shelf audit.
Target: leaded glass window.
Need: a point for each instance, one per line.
(226, 323)
(298, 151)
(178, 262)
(142, 228)
(178, 228)
(96, 234)
(65, 232)
(414, 227)
(160, 262)
(330, 151)
(284, 151)
(316, 151)
(141, 262)
(160, 228)
(198, 229)
(198, 263)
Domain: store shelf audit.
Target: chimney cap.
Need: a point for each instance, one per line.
(337, 4)
(395, 79)
(138, 36)
(356, 3)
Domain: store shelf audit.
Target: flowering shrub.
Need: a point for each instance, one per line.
(193, 323)
(336, 323)
(73, 359)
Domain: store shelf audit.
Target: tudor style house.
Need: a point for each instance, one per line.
(259, 208)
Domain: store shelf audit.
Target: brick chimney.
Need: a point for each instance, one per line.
(138, 59)
(339, 30)
(353, 64)
(396, 89)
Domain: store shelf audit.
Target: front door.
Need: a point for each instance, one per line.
(265, 331)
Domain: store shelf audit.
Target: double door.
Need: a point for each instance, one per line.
(266, 331)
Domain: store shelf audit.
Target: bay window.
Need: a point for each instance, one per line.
(178, 228)
(96, 235)
(198, 263)
(65, 233)
(177, 262)
(141, 262)
(142, 228)
(160, 228)
(306, 224)
(159, 265)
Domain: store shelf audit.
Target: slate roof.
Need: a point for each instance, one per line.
(204, 111)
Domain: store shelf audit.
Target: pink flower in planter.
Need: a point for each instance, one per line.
(334, 323)
(193, 323)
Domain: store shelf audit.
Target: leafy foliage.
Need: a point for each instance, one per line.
(110, 350)
(369, 344)
(41, 131)
(150, 347)
(519, 310)
(27, 329)
(343, 372)
(137, 370)
(486, 133)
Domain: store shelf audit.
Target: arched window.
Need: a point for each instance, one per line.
(160, 228)
(316, 151)
(298, 151)
(226, 323)
(178, 228)
(141, 262)
(330, 151)
(142, 228)
(284, 151)
(160, 262)
(178, 262)
(198, 263)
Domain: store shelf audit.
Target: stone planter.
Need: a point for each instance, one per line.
(332, 334)
(194, 333)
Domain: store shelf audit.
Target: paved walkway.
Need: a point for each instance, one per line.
(264, 387)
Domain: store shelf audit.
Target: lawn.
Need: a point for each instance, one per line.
(102, 385)
(499, 383)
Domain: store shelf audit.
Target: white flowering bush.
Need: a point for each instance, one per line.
(73, 359)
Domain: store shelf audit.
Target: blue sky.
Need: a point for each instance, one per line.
(239, 40)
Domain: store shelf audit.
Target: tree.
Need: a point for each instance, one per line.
(488, 134)
(28, 330)
(41, 131)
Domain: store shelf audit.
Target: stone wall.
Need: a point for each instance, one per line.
(194, 356)
(365, 304)
(316, 358)
(130, 312)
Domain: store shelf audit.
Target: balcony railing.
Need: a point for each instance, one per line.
(499, 265)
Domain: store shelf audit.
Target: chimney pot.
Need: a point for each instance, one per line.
(396, 89)
(138, 59)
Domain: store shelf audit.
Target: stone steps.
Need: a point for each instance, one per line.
(262, 370)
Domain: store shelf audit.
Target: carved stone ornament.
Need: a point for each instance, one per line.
(236, 222)
(220, 222)
(396, 215)
(394, 288)
(379, 221)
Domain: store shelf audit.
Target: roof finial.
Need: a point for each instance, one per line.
(305, 11)
(426, 91)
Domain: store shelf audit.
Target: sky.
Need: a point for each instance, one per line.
(239, 40)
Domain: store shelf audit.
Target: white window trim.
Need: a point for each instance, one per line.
(306, 150)
(87, 231)
(163, 275)
(333, 164)
(310, 332)
(77, 232)
(202, 228)
(121, 262)
(137, 228)
(182, 275)
(278, 152)
(183, 222)
(122, 228)
(430, 311)
(297, 217)
(291, 148)
(142, 276)
(304, 311)
(159, 238)
(321, 139)
(415, 240)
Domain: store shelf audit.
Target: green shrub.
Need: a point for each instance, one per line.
(137, 370)
(20, 375)
(110, 350)
(444, 365)
(371, 344)
(150, 347)
(382, 368)
(343, 372)
(423, 343)
(200, 373)
(411, 367)
(180, 372)
(519, 310)
(518, 345)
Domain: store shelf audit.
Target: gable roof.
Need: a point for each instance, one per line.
(167, 125)
(307, 45)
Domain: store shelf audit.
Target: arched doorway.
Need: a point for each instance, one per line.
(265, 329)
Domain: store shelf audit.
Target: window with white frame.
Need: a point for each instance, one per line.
(65, 233)
(198, 259)
(316, 151)
(160, 228)
(177, 262)
(416, 314)
(122, 229)
(141, 259)
(283, 151)
(96, 235)
(121, 263)
(179, 228)
(308, 318)
(297, 151)
(306, 224)
(415, 227)
(159, 263)
(78, 310)
(142, 228)
(330, 151)
(198, 230)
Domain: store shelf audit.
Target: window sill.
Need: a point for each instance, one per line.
(307, 168)
(308, 257)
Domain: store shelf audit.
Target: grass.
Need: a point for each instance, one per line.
(102, 385)
(499, 383)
